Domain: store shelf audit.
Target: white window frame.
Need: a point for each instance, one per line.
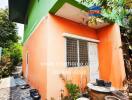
(77, 37)
(80, 37)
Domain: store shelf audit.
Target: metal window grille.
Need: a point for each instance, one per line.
(72, 58)
(77, 52)
(83, 53)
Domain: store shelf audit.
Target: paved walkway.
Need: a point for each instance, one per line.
(10, 89)
(7, 82)
(14, 93)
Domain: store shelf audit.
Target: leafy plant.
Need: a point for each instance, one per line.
(8, 30)
(16, 53)
(11, 49)
(73, 90)
(11, 57)
(119, 11)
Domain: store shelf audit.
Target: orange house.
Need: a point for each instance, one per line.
(60, 46)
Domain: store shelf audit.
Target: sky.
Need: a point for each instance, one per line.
(4, 4)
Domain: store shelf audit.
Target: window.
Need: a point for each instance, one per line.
(77, 52)
(83, 53)
(72, 54)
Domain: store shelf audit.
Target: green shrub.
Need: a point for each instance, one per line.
(11, 57)
(73, 90)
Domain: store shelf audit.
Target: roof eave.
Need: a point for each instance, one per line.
(18, 10)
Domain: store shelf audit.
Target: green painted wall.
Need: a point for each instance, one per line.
(36, 11)
(40, 8)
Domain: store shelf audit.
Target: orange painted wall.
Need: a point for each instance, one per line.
(36, 48)
(56, 55)
(46, 48)
(110, 55)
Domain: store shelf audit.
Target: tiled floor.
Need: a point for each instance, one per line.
(14, 93)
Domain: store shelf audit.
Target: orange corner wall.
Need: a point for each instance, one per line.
(111, 64)
(56, 54)
(46, 49)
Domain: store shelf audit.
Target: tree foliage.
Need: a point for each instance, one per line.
(11, 49)
(119, 11)
(115, 11)
(8, 30)
(15, 53)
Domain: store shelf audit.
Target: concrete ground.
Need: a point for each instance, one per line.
(10, 89)
(7, 82)
(14, 93)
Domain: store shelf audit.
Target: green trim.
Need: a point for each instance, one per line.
(57, 6)
(60, 3)
(77, 4)
(48, 6)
